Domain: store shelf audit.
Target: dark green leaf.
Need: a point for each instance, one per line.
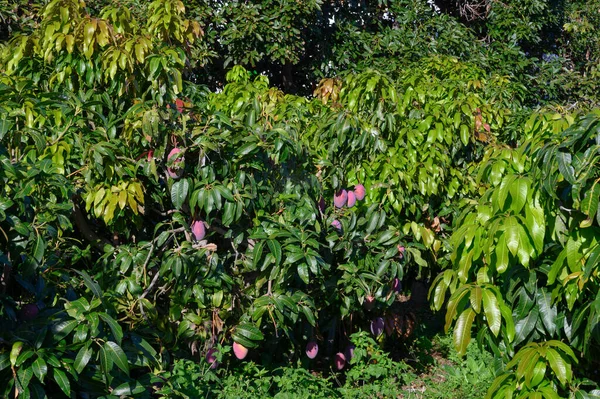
(40, 369)
(90, 284)
(179, 192)
(117, 355)
(115, 328)
(83, 357)
(63, 382)
(547, 311)
(62, 329)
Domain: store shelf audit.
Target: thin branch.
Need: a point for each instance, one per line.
(152, 284)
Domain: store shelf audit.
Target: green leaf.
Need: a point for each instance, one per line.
(590, 203)
(592, 262)
(228, 213)
(303, 272)
(475, 297)
(36, 390)
(563, 347)
(62, 329)
(508, 321)
(247, 334)
(538, 374)
(497, 384)
(373, 221)
(564, 166)
(39, 249)
(512, 235)
(464, 134)
(257, 253)
(115, 328)
(249, 331)
(89, 283)
(275, 248)
(83, 357)
(4, 361)
(547, 312)
(518, 194)
(106, 361)
(453, 305)
(129, 389)
(526, 325)
(534, 219)
(25, 355)
(462, 331)
(573, 254)
(63, 382)
(40, 369)
(246, 149)
(179, 192)
(501, 252)
(558, 365)
(310, 316)
(117, 355)
(492, 311)
(527, 363)
(439, 292)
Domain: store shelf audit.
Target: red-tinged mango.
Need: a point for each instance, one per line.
(211, 358)
(240, 351)
(351, 199)
(198, 229)
(336, 224)
(176, 171)
(340, 198)
(339, 360)
(359, 192)
(377, 326)
(312, 349)
(401, 250)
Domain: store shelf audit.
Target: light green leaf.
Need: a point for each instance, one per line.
(536, 225)
(558, 365)
(492, 311)
(512, 234)
(462, 331)
(475, 297)
(518, 193)
(502, 256)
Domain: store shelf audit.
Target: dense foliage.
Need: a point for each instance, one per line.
(160, 204)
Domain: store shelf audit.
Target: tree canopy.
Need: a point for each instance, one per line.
(179, 176)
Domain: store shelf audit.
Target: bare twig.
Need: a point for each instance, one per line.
(152, 284)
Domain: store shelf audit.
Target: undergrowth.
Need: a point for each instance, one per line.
(372, 373)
